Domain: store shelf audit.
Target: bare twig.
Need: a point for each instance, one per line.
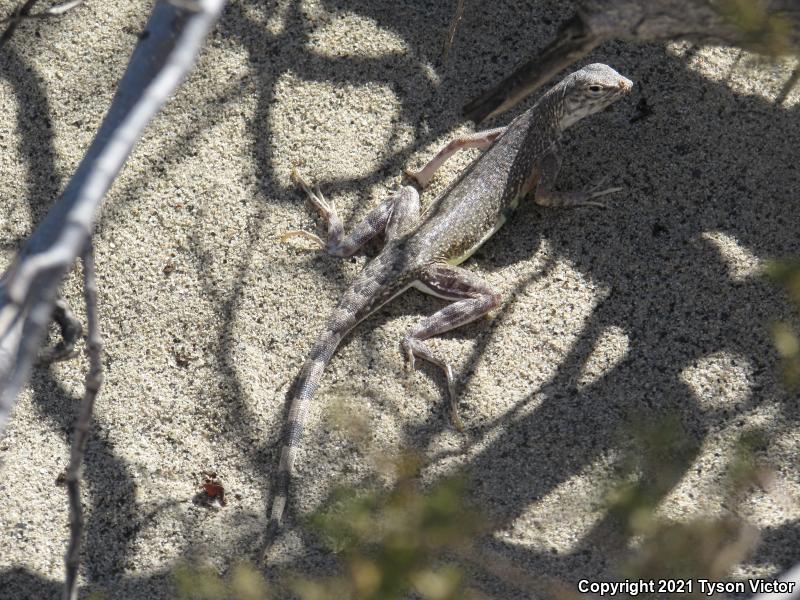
(14, 19)
(94, 379)
(774, 30)
(71, 331)
(28, 288)
(451, 32)
(788, 86)
(53, 11)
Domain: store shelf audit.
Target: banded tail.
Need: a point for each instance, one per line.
(380, 281)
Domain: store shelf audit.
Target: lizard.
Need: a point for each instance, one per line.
(424, 251)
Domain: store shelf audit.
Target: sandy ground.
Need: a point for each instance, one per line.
(652, 308)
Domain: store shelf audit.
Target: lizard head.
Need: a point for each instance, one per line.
(590, 90)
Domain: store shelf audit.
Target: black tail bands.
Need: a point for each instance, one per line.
(307, 384)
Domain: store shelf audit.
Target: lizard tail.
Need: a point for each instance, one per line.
(306, 385)
(376, 285)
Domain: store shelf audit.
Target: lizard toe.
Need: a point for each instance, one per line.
(287, 235)
(408, 353)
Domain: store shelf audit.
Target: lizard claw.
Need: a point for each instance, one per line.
(596, 192)
(612, 190)
(409, 356)
(407, 348)
(605, 192)
(287, 235)
(600, 183)
(326, 210)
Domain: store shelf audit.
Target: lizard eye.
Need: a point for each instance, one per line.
(595, 89)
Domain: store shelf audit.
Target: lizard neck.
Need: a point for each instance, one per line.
(549, 117)
(558, 108)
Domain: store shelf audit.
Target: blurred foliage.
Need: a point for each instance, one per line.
(696, 549)
(655, 461)
(745, 469)
(401, 541)
(765, 31)
(787, 340)
(703, 547)
(204, 583)
(395, 540)
(392, 541)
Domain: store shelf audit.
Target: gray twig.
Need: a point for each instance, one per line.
(94, 379)
(451, 32)
(29, 287)
(54, 11)
(14, 19)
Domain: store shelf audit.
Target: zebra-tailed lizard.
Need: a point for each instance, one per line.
(423, 251)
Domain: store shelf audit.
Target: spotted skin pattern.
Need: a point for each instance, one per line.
(423, 251)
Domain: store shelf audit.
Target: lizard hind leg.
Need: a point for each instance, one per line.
(472, 298)
(393, 216)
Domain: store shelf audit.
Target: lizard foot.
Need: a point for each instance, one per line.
(413, 347)
(558, 199)
(327, 211)
(325, 208)
(417, 177)
(596, 192)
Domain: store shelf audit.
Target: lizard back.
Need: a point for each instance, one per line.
(479, 202)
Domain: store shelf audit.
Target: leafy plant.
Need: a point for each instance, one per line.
(203, 583)
(393, 541)
(702, 547)
(768, 32)
(786, 339)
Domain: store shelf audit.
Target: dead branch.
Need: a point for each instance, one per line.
(22, 11)
(28, 288)
(94, 379)
(451, 32)
(54, 11)
(774, 28)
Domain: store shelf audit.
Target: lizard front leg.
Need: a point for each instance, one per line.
(481, 139)
(393, 217)
(473, 298)
(545, 195)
